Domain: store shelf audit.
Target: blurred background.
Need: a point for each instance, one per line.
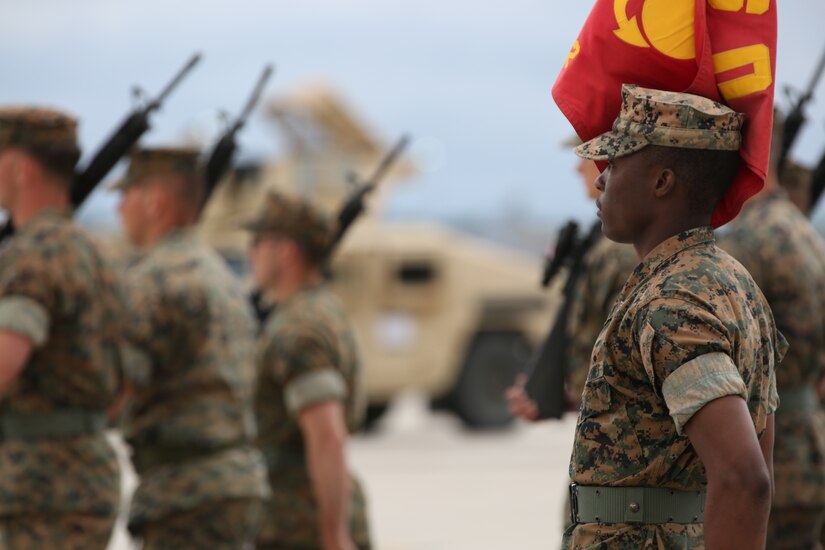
(441, 277)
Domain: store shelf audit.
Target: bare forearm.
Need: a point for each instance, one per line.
(330, 484)
(736, 515)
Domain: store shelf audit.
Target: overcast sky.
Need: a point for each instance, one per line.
(469, 79)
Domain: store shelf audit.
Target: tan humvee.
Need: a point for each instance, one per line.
(433, 309)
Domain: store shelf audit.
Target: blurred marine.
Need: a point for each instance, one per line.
(191, 425)
(60, 322)
(786, 257)
(309, 394)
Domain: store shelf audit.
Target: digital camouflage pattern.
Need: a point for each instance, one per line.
(690, 326)
(607, 267)
(215, 525)
(73, 531)
(786, 257)
(191, 424)
(56, 291)
(306, 355)
(36, 127)
(293, 218)
(668, 119)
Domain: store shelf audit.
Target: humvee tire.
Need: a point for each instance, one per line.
(374, 413)
(490, 366)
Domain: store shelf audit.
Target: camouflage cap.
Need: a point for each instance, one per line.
(294, 218)
(159, 161)
(669, 119)
(37, 127)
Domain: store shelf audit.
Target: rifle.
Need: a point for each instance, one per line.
(354, 206)
(220, 158)
(547, 367)
(119, 143)
(796, 118)
(122, 140)
(565, 243)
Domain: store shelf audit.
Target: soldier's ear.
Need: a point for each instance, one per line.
(665, 183)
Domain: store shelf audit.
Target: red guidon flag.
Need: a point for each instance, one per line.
(724, 50)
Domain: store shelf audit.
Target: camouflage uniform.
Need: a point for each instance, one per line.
(786, 258)
(59, 477)
(191, 424)
(306, 355)
(690, 326)
(607, 267)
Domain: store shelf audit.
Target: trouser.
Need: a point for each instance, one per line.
(795, 528)
(226, 524)
(56, 531)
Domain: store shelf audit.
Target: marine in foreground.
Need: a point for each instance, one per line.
(674, 440)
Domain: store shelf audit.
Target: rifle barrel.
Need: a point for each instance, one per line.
(256, 95)
(175, 81)
(389, 159)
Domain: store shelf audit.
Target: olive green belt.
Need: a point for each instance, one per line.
(277, 459)
(801, 399)
(59, 424)
(651, 505)
(146, 457)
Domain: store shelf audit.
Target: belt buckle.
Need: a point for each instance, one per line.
(574, 504)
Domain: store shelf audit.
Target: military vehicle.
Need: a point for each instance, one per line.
(433, 309)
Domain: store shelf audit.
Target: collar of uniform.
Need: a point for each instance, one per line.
(674, 245)
(175, 236)
(297, 296)
(48, 213)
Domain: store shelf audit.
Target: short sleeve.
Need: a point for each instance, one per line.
(306, 364)
(26, 317)
(685, 351)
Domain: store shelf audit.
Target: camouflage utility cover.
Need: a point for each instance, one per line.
(144, 163)
(194, 334)
(37, 127)
(690, 326)
(786, 258)
(57, 292)
(306, 355)
(607, 267)
(668, 119)
(293, 218)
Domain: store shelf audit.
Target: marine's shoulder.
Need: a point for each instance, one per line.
(703, 274)
(313, 311)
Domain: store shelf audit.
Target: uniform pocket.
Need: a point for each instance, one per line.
(596, 395)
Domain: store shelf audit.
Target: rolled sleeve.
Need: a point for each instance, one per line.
(25, 317)
(314, 387)
(697, 383)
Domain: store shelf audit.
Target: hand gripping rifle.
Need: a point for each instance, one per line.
(220, 158)
(796, 118)
(118, 145)
(547, 367)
